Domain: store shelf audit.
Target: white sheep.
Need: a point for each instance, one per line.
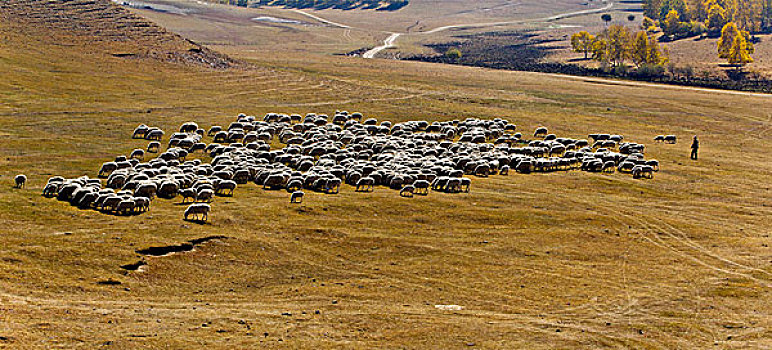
(20, 180)
(198, 211)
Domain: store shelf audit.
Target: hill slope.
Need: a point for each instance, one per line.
(101, 26)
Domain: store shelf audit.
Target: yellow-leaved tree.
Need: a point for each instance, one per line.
(672, 23)
(740, 51)
(582, 42)
(728, 33)
(639, 51)
(716, 17)
(618, 37)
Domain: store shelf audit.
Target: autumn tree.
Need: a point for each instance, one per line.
(582, 42)
(716, 17)
(639, 51)
(600, 50)
(735, 45)
(728, 33)
(740, 52)
(657, 55)
(671, 23)
(606, 18)
(619, 38)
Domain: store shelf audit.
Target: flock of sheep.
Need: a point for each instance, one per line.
(321, 153)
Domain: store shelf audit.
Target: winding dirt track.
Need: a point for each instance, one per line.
(387, 44)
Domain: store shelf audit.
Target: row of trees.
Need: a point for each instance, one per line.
(617, 44)
(749, 15)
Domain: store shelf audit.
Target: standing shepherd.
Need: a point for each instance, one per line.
(695, 147)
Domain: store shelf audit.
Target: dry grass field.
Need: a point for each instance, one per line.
(541, 261)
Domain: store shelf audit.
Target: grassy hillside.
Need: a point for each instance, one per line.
(562, 260)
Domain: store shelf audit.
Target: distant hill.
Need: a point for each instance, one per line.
(102, 27)
(378, 5)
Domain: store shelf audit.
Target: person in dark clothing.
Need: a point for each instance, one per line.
(695, 147)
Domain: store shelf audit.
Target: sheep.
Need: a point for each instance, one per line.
(20, 181)
(626, 167)
(140, 131)
(214, 130)
(148, 190)
(141, 204)
(421, 187)
(466, 183)
(294, 185)
(137, 154)
(659, 138)
(110, 204)
(198, 211)
(453, 185)
(50, 190)
(188, 194)
(204, 196)
(297, 197)
(407, 191)
(189, 128)
(332, 186)
(167, 190)
(653, 163)
(671, 139)
(125, 207)
(107, 169)
(275, 182)
(154, 135)
(321, 152)
(225, 188)
(482, 170)
(609, 167)
(365, 184)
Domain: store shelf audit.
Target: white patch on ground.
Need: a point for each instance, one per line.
(276, 20)
(449, 307)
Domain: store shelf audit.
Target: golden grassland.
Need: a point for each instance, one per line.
(562, 260)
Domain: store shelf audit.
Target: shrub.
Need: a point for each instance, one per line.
(620, 70)
(453, 53)
(650, 70)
